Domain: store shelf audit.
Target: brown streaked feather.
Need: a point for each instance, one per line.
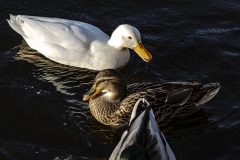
(171, 99)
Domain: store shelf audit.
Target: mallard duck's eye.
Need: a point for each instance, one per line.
(129, 37)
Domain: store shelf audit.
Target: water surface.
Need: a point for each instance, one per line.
(42, 115)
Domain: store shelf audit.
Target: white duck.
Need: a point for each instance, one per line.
(79, 44)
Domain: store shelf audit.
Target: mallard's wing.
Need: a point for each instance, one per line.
(185, 98)
(143, 131)
(137, 87)
(171, 99)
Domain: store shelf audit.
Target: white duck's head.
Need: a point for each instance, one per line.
(127, 36)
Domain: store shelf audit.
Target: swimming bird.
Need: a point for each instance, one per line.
(143, 139)
(111, 100)
(79, 44)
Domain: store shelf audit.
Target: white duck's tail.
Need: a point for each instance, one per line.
(15, 23)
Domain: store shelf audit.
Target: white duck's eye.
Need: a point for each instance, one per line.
(129, 37)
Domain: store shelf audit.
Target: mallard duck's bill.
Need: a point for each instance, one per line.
(92, 92)
(86, 96)
(142, 52)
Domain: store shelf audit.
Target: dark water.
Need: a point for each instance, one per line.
(42, 115)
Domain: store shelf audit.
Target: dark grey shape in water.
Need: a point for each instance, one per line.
(143, 131)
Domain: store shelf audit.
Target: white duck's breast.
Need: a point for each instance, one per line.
(108, 57)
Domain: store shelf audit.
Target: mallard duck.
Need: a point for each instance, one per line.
(143, 139)
(79, 44)
(111, 100)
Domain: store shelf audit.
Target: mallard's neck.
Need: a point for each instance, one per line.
(104, 110)
(136, 152)
(105, 107)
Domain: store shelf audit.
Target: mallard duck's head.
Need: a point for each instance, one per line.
(109, 84)
(127, 36)
(134, 152)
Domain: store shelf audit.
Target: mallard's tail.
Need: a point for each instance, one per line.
(212, 89)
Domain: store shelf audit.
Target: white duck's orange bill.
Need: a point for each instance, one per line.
(142, 52)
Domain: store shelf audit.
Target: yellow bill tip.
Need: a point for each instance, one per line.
(86, 97)
(142, 52)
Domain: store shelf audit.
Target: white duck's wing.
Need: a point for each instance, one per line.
(58, 39)
(144, 131)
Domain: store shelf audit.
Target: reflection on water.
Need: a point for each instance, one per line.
(64, 78)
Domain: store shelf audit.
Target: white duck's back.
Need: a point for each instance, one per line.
(66, 41)
(49, 29)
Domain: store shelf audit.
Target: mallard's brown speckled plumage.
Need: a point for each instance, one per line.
(111, 100)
